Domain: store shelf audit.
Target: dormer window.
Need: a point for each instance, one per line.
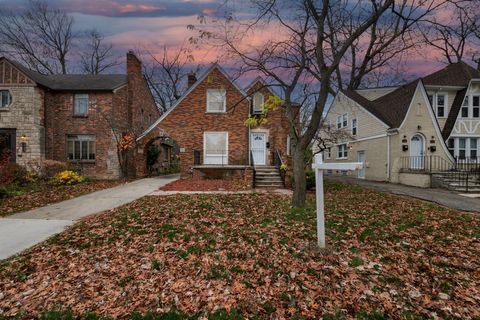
(216, 100)
(80, 105)
(5, 98)
(258, 101)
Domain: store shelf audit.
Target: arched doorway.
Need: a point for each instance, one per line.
(417, 152)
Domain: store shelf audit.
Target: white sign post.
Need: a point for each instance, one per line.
(319, 166)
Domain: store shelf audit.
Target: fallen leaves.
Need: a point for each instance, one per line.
(206, 185)
(387, 256)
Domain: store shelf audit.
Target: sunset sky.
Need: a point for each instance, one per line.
(132, 24)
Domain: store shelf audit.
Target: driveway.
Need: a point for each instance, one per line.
(25, 229)
(440, 196)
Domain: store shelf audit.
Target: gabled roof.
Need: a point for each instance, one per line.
(453, 114)
(390, 108)
(455, 75)
(73, 82)
(193, 87)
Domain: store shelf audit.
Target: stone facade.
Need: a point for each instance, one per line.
(43, 118)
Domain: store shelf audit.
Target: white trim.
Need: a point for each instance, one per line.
(193, 87)
(369, 138)
(460, 111)
(265, 135)
(204, 145)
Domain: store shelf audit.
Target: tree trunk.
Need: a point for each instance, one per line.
(299, 178)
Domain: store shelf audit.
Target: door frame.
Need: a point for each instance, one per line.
(418, 165)
(363, 168)
(13, 142)
(264, 146)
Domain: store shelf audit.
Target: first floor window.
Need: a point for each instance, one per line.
(451, 145)
(342, 151)
(462, 148)
(473, 147)
(81, 147)
(354, 127)
(215, 148)
(5, 98)
(80, 105)
(328, 153)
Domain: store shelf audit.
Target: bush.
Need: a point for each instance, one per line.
(3, 192)
(67, 177)
(47, 169)
(14, 173)
(310, 175)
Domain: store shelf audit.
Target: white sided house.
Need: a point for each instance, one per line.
(425, 133)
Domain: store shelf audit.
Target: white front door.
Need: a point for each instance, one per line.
(258, 143)
(361, 158)
(416, 152)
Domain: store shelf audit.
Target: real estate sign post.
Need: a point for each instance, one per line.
(319, 166)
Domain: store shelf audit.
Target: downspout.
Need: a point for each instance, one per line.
(249, 132)
(388, 158)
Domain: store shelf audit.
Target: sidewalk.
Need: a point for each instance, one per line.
(440, 196)
(25, 229)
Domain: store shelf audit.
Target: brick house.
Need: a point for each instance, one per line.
(207, 123)
(76, 118)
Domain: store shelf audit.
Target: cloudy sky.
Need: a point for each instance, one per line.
(132, 24)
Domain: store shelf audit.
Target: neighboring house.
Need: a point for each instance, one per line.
(75, 118)
(207, 124)
(406, 133)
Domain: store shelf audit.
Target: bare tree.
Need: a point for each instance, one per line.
(455, 36)
(98, 56)
(166, 72)
(311, 46)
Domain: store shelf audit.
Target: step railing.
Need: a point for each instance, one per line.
(278, 162)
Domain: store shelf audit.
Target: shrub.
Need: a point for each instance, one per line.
(3, 192)
(14, 173)
(47, 169)
(310, 175)
(67, 177)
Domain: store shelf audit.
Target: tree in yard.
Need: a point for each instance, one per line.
(39, 37)
(166, 70)
(97, 56)
(319, 47)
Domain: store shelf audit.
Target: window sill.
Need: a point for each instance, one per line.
(343, 158)
(4, 109)
(79, 116)
(220, 112)
(82, 161)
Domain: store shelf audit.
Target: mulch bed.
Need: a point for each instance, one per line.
(206, 185)
(49, 194)
(389, 257)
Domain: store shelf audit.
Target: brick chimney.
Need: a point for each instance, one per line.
(134, 65)
(192, 78)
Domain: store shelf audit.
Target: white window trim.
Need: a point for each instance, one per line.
(445, 101)
(224, 101)
(355, 127)
(205, 144)
(345, 151)
(340, 121)
(469, 102)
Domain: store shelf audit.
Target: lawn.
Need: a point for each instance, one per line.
(206, 185)
(39, 194)
(388, 258)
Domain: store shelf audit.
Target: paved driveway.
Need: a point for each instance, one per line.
(443, 197)
(25, 229)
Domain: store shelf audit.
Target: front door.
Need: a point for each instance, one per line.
(416, 152)
(258, 143)
(361, 158)
(7, 144)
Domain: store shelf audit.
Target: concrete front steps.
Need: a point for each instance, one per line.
(268, 177)
(457, 181)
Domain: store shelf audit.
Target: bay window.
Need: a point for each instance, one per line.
(215, 145)
(81, 147)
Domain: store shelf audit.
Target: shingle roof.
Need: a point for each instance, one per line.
(452, 115)
(455, 74)
(390, 108)
(74, 82)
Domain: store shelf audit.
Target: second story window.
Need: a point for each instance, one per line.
(354, 127)
(80, 104)
(476, 106)
(216, 100)
(464, 111)
(258, 101)
(441, 106)
(342, 121)
(5, 98)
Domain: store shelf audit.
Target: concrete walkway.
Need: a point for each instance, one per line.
(25, 229)
(440, 196)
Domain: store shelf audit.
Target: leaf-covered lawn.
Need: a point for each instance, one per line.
(206, 185)
(40, 195)
(389, 257)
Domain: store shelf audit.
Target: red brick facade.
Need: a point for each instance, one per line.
(187, 122)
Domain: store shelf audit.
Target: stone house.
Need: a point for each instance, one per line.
(207, 124)
(75, 118)
(424, 133)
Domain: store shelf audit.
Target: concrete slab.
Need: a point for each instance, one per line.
(17, 235)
